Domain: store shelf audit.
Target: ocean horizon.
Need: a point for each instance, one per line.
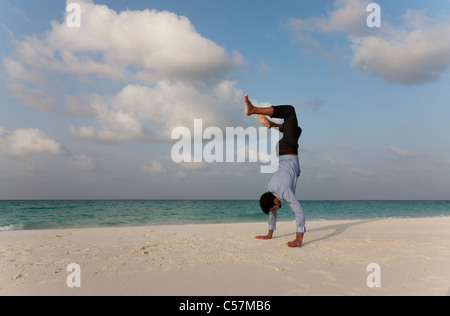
(63, 214)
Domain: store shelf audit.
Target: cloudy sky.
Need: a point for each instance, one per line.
(87, 112)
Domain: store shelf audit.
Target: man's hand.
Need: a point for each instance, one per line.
(297, 242)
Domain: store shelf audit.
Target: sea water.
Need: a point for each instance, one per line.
(32, 215)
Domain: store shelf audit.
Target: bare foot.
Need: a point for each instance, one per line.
(248, 106)
(297, 242)
(294, 244)
(264, 121)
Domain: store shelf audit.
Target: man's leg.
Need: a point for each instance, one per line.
(250, 109)
(289, 143)
(268, 123)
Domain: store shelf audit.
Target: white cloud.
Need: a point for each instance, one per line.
(335, 163)
(347, 17)
(414, 52)
(23, 142)
(84, 163)
(170, 74)
(31, 97)
(153, 167)
(400, 152)
(198, 166)
(308, 149)
(145, 45)
(348, 147)
(263, 67)
(118, 126)
(17, 70)
(362, 173)
(148, 114)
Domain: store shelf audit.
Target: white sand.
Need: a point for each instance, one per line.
(226, 259)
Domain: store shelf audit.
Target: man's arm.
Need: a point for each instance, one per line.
(289, 197)
(272, 226)
(299, 218)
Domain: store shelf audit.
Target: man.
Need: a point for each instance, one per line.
(283, 184)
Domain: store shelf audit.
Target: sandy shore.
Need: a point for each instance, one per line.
(226, 259)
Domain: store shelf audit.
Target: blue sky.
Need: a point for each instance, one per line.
(87, 112)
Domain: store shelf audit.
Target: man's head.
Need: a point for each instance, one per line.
(269, 202)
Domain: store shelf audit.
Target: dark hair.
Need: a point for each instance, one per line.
(266, 202)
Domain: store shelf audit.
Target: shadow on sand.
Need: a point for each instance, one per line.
(338, 229)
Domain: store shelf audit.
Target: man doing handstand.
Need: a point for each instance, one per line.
(283, 184)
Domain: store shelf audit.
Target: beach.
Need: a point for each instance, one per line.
(412, 256)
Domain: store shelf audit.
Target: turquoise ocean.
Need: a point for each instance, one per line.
(35, 215)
